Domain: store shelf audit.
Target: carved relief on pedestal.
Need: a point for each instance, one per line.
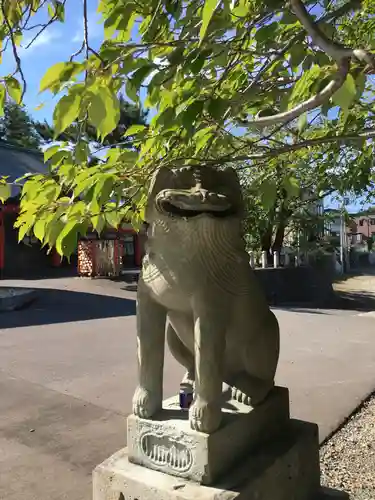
(166, 451)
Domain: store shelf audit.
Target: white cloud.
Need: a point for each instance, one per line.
(44, 39)
(95, 28)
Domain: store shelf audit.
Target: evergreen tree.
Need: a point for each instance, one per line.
(16, 127)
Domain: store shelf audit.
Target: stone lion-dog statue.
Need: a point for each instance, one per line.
(198, 289)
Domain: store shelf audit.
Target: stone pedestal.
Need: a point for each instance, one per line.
(168, 444)
(286, 468)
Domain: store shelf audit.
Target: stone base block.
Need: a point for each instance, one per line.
(283, 469)
(168, 444)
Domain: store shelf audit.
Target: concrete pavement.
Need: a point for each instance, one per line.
(68, 370)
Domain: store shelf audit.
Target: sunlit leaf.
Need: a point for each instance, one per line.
(207, 13)
(14, 88)
(5, 191)
(268, 191)
(2, 99)
(302, 87)
(134, 129)
(346, 94)
(58, 74)
(66, 241)
(104, 110)
(66, 111)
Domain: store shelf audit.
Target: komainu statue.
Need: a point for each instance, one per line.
(197, 288)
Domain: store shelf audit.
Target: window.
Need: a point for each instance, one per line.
(361, 222)
(372, 222)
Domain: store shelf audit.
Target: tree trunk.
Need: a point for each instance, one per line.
(279, 237)
(266, 239)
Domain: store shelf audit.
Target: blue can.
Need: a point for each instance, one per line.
(186, 396)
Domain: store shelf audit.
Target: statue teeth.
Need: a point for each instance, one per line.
(169, 454)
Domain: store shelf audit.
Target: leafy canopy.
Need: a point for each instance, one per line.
(239, 81)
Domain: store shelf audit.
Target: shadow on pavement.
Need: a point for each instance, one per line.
(342, 301)
(63, 306)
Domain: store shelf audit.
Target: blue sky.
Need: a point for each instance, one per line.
(57, 43)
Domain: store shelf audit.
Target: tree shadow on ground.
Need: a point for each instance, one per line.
(365, 271)
(341, 301)
(53, 306)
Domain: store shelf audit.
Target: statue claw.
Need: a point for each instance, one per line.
(204, 417)
(145, 403)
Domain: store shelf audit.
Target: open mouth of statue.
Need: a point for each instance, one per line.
(186, 206)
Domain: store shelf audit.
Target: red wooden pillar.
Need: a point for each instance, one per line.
(56, 258)
(2, 243)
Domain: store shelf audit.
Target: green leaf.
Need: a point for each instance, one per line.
(81, 152)
(2, 99)
(14, 89)
(266, 32)
(112, 217)
(241, 9)
(302, 87)
(98, 222)
(131, 91)
(104, 110)
(58, 74)
(268, 191)
(346, 94)
(49, 152)
(103, 189)
(39, 229)
(66, 241)
(22, 231)
(202, 137)
(134, 129)
(302, 123)
(58, 12)
(217, 108)
(66, 111)
(5, 191)
(292, 187)
(140, 74)
(208, 11)
(191, 113)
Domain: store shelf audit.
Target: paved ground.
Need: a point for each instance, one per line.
(67, 372)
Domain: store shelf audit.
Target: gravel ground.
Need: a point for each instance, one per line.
(348, 457)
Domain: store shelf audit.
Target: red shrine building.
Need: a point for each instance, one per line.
(110, 253)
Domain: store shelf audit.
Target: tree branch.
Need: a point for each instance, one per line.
(333, 49)
(288, 148)
(309, 104)
(338, 52)
(14, 49)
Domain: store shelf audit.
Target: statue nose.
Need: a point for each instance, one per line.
(202, 194)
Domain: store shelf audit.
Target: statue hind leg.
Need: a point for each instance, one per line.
(250, 390)
(254, 383)
(181, 354)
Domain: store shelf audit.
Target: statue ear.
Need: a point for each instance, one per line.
(159, 180)
(234, 187)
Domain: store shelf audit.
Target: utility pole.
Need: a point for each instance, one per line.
(345, 201)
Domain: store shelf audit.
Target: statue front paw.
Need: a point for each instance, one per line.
(146, 403)
(205, 417)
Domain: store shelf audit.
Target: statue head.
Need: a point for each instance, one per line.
(194, 191)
